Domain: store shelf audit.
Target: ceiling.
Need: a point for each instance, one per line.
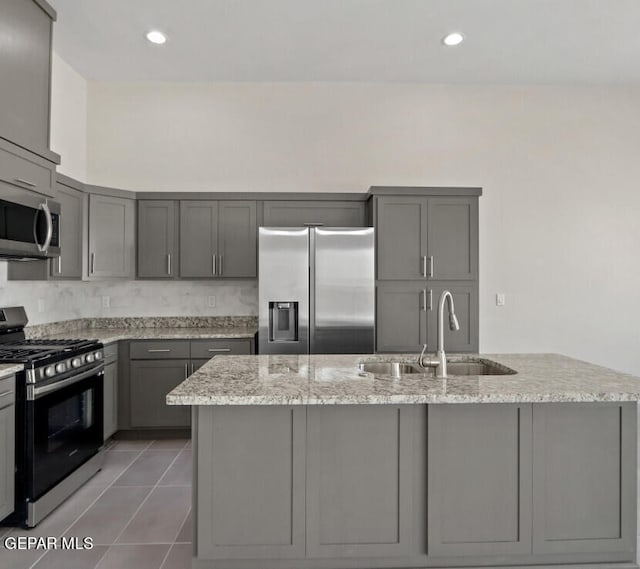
(507, 41)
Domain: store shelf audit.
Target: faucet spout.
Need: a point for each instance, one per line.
(441, 358)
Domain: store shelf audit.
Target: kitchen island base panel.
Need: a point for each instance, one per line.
(274, 486)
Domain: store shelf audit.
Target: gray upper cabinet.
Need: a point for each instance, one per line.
(584, 477)
(237, 239)
(359, 480)
(69, 264)
(199, 238)
(158, 238)
(25, 170)
(479, 483)
(324, 213)
(218, 239)
(433, 238)
(111, 237)
(25, 66)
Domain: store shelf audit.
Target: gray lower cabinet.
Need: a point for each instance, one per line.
(110, 383)
(325, 213)
(7, 446)
(359, 480)
(479, 484)
(150, 381)
(158, 223)
(407, 316)
(111, 237)
(251, 482)
(584, 477)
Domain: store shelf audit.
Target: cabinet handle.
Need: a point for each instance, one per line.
(193, 368)
(430, 303)
(158, 350)
(213, 265)
(6, 393)
(59, 264)
(220, 266)
(93, 263)
(424, 266)
(169, 263)
(431, 267)
(25, 182)
(424, 300)
(186, 371)
(219, 350)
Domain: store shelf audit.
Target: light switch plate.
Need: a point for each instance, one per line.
(211, 301)
(500, 299)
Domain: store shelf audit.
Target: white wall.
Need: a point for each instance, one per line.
(559, 228)
(69, 118)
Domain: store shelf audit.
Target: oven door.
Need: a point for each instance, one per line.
(64, 428)
(29, 227)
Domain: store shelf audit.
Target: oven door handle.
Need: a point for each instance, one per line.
(37, 392)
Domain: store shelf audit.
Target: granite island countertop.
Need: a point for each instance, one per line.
(335, 379)
(9, 369)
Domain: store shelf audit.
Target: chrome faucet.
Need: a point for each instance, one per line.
(439, 360)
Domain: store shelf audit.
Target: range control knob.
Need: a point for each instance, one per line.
(76, 362)
(98, 355)
(49, 371)
(89, 358)
(61, 367)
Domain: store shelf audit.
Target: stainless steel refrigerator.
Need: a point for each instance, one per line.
(316, 290)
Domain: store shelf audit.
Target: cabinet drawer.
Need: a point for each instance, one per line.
(31, 173)
(7, 391)
(156, 350)
(210, 348)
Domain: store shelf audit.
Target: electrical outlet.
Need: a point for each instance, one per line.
(500, 299)
(211, 301)
(106, 302)
(41, 305)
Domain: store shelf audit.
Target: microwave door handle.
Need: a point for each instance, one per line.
(47, 241)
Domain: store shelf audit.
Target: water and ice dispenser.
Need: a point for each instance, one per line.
(283, 321)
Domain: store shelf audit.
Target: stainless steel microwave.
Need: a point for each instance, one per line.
(29, 226)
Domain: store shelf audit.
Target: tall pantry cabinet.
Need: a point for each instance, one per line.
(426, 242)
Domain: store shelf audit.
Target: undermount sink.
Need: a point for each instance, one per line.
(455, 367)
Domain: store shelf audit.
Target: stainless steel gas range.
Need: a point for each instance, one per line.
(59, 406)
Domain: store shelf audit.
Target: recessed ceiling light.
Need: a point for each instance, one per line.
(154, 36)
(454, 38)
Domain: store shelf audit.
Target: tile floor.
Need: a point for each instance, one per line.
(137, 509)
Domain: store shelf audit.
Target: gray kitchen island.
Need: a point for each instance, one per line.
(312, 461)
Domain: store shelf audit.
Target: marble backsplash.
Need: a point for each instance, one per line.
(56, 301)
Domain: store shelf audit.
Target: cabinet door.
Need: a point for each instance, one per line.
(25, 65)
(401, 317)
(584, 477)
(111, 237)
(7, 460)
(479, 483)
(110, 380)
(401, 237)
(359, 475)
(251, 487)
(324, 213)
(452, 228)
(157, 238)
(465, 300)
(237, 239)
(150, 381)
(198, 238)
(69, 264)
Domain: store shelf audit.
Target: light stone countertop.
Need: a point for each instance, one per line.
(335, 379)
(110, 335)
(9, 369)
